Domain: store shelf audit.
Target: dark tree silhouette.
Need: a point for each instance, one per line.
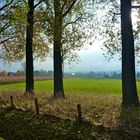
(61, 10)
(29, 52)
(129, 90)
(58, 74)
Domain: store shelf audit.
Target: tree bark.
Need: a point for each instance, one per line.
(29, 52)
(129, 89)
(57, 47)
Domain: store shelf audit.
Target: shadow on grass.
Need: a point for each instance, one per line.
(16, 124)
(24, 125)
(129, 128)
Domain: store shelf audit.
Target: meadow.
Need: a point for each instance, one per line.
(81, 86)
(107, 86)
(100, 99)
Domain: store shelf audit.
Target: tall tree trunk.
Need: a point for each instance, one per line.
(57, 46)
(29, 53)
(129, 90)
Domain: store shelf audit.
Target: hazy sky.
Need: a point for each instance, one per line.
(91, 59)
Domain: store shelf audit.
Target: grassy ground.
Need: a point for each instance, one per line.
(24, 125)
(103, 118)
(109, 86)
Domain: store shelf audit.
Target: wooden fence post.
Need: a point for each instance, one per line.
(79, 118)
(11, 102)
(36, 106)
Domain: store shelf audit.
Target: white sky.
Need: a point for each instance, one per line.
(91, 59)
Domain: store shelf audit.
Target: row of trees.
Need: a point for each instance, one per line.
(65, 25)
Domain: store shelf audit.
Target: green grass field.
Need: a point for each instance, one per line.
(107, 86)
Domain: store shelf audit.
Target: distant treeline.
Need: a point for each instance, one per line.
(22, 73)
(90, 74)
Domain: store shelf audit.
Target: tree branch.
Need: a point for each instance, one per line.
(72, 22)
(25, 2)
(7, 50)
(135, 6)
(4, 27)
(6, 5)
(70, 7)
(3, 41)
(38, 3)
(114, 14)
(63, 5)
